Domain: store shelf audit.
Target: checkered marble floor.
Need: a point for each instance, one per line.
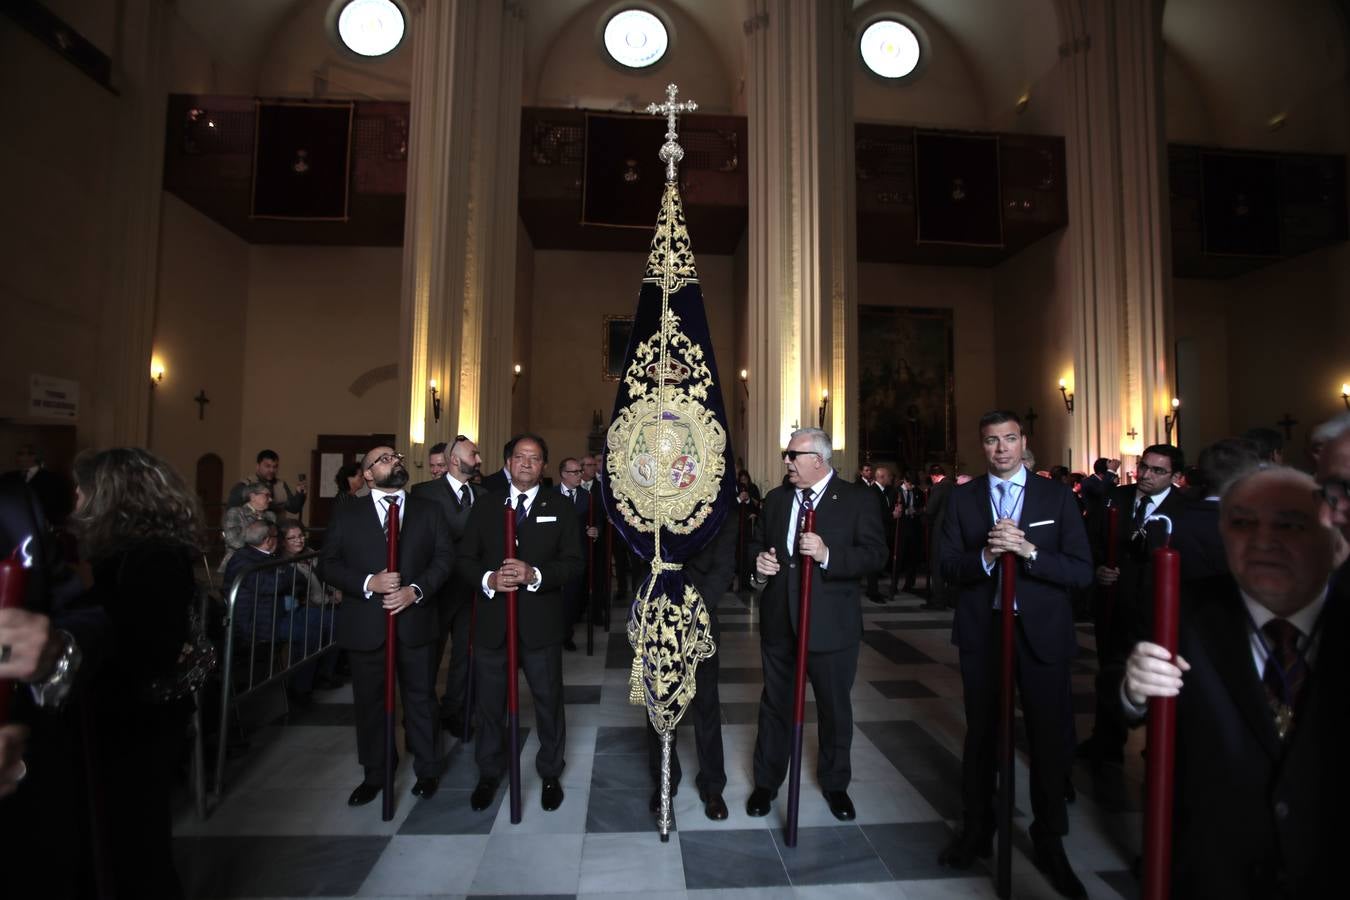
(284, 828)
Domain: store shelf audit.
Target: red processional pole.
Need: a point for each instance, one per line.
(13, 587)
(1162, 730)
(590, 578)
(1003, 877)
(799, 697)
(390, 668)
(512, 666)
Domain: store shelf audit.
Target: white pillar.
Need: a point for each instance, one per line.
(802, 248)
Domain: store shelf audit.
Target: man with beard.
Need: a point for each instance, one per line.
(355, 554)
(452, 489)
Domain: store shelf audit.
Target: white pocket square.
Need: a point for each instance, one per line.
(542, 519)
(1042, 522)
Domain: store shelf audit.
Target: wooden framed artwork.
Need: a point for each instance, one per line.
(905, 385)
(614, 345)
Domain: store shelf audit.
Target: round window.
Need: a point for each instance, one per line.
(635, 38)
(889, 48)
(371, 27)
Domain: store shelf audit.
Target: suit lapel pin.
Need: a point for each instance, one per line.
(834, 496)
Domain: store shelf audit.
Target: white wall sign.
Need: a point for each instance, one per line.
(54, 398)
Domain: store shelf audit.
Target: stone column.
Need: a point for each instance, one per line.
(134, 201)
(802, 247)
(1112, 57)
(459, 232)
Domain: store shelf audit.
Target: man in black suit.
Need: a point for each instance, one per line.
(710, 571)
(1261, 677)
(569, 476)
(547, 555)
(500, 480)
(1196, 536)
(55, 493)
(1009, 510)
(454, 492)
(1333, 474)
(906, 512)
(847, 544)
(1123, 615)
(354, 559)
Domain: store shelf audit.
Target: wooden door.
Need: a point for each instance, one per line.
(331, 452)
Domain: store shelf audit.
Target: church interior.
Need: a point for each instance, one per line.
(234, 226)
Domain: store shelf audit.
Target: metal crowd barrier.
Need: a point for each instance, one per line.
(287, 639)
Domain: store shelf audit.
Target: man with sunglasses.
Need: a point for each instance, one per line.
(354, 560)
(1121, 619)
(452, 489)
(847, 544)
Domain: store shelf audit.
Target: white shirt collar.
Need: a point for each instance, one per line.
(1018, 478)
(1304, 620)
(529, 495)
(455, 483)
(1156, 499)
(817, 489)
(378, 495)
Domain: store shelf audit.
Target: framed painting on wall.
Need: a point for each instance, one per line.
(905, 385)
(614, 345)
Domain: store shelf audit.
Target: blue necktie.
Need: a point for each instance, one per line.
(1005, 500)
(520, 509)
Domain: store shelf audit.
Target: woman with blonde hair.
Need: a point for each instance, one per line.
(139, 530)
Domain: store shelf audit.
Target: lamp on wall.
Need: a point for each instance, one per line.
(745, 382)
(824, 405)
(156, 371)
(435, 401)
(1067, 395)
(515, 378)
(1345, 395)
(1171, 422)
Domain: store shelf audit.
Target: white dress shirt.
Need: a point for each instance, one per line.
(530, 497)
(817, 492)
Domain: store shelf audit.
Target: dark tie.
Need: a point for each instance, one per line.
(465, 496)
(1141, 512)
(391, 519)
(1282, 690)
(801, 516)
(520, 509)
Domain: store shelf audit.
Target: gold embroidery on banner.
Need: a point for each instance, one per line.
(671, 260)
(679, 637)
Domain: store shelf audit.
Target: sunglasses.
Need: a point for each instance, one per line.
(791, 455)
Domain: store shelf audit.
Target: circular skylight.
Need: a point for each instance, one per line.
(635, 38)
(889, 48)
(371, 27)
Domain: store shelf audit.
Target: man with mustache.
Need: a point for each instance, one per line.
(1261, 676)
(354, 559)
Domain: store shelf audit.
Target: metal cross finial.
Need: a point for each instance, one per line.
(671, 152)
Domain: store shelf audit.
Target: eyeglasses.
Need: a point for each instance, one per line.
(791, 455)
(1335, 492)
(1143, 469)
(570, 471)
(385, 458)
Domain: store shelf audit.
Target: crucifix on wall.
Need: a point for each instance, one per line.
(201, 400)
(1288, 423)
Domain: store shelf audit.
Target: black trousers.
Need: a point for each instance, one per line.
(706, 714)
(543, 673)
(831, 676)
(419, 709)
(455, 616)
(909, 552)
(1114, 629)
(1046, 706)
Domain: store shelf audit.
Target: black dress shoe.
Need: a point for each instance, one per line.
(965, 848)
(1050, 859)
(715, 808)
(840, 806)
(761, 798)
(364, 793)
(426, 787)
(655, 803)
(553, 795)
(483, 795)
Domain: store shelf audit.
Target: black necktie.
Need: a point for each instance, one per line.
(801, 515)
(465, 496)
(1284, 672)
(520, 509)
(1141, 513)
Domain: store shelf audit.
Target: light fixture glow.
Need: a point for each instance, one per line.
(371, 27)
(635, 38)
(156, 369)
(889, 48)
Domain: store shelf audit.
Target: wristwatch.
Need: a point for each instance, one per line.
(1031, 557)
(52, 690)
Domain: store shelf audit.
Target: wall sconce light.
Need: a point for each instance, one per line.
(435, 401)
(745, 382)
(156, 371)
(515, 379)
(1345, 395)
(1067, 395)
(1171, 422)
(824, 405)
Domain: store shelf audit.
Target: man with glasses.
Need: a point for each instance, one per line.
(847, 545)
(354, 560)
(452, 489)
(546, 557)
(570, 473)
(1124, 614)
(1333, 477)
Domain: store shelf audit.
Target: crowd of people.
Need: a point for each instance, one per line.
(102, 642)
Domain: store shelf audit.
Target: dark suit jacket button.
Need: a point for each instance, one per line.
(1281, 810)
(792, 565)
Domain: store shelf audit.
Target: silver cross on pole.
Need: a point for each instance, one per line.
(671, 152)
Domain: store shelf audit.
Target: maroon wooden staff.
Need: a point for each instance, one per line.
(390, 669)
(799, 697)
(1003, 878)
(512, 665)
(590, 578)
(1112, 560)
(1162, 731)
(13, 587)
